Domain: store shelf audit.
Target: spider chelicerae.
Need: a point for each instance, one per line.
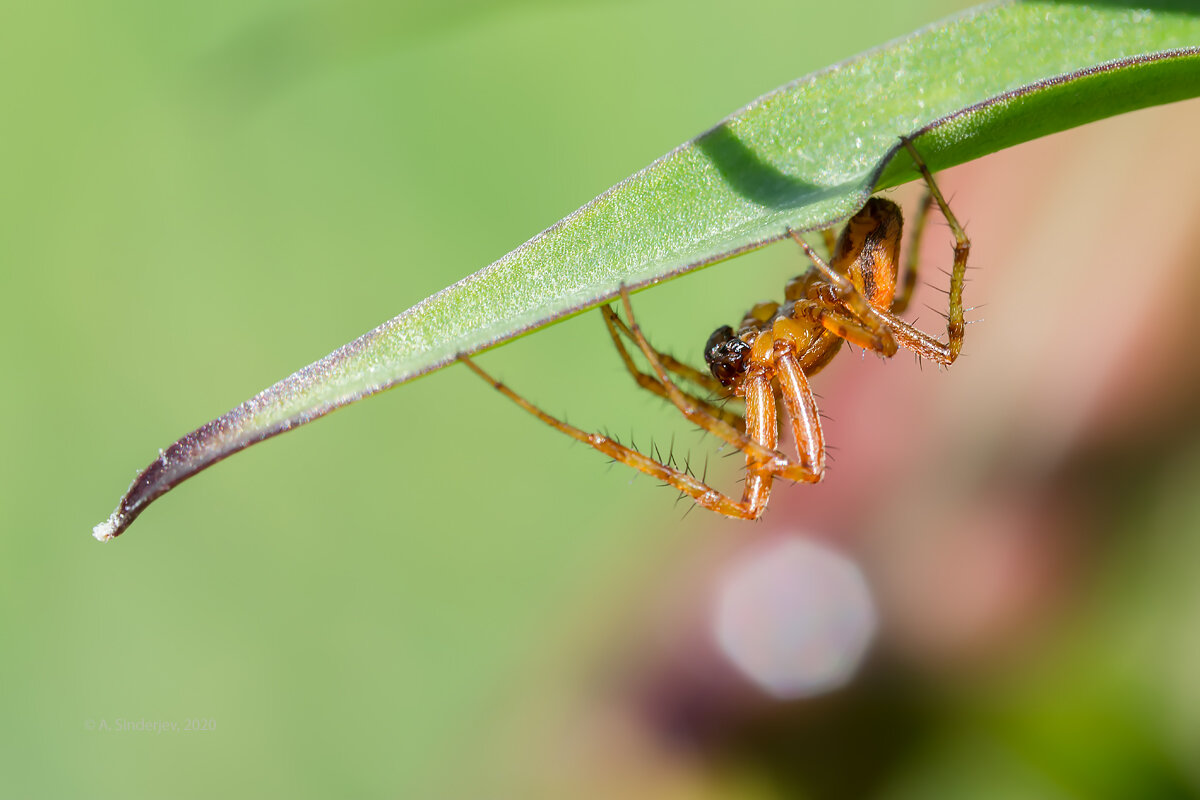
(778, 346)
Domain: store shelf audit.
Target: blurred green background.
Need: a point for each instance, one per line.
(401, 598)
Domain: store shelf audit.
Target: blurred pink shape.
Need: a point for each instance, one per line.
(795, 617)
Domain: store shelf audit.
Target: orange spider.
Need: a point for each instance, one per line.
(854, 298)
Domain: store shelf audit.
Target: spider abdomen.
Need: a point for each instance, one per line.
(868, 251)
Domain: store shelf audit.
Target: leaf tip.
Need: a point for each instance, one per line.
(106, 530)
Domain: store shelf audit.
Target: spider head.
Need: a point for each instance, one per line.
(726, 356)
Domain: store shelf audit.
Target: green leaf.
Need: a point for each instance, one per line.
(805, 156)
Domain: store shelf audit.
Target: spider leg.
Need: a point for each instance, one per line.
(917, 341)
(616, 326)
(829, 315)
(698, 377)
(844, 289)
(800, 403)
(697, 416)
(820, 353)
(904, 292)
(762, 424)
(758, 487)
(841, 292)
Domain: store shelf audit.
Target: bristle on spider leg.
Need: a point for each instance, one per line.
(941, 314)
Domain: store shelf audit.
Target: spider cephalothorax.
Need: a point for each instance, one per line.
(854, 298)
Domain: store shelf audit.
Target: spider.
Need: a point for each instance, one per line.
(853, 298)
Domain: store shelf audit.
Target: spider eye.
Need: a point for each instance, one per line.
(726, 355)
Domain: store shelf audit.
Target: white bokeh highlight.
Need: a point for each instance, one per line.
(795, 616)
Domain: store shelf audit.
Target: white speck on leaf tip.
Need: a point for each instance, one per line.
(106, 530)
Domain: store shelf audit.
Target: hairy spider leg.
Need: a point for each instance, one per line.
(864, 326)
(798, 397)
(616, 327)
(919, 342)
(826, 313)
(760, 419)
(774, 354)
(762, 424)
(887, 327)
(904, 292)
(700, 378)
(820, 353)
